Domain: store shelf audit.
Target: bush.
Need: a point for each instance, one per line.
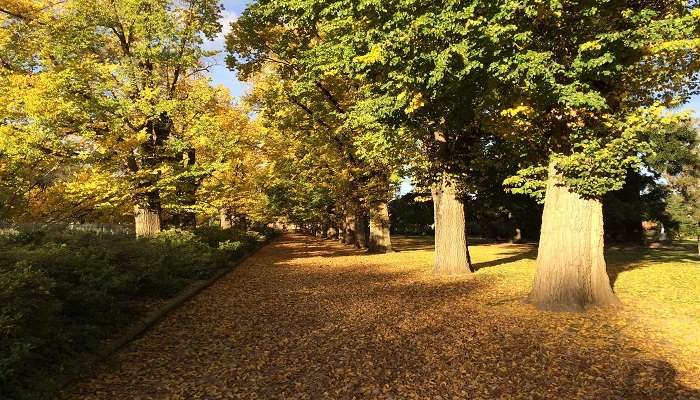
(232, 249)
(27, 312)
(62, 293)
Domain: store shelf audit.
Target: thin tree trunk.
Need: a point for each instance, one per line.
(518, 237)
(147, 221)
(243, 222)
(450, 232)
(379, 233)
(571, 271)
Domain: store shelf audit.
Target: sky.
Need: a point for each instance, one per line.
(219, 73)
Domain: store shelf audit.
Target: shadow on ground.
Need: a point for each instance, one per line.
(308, 319)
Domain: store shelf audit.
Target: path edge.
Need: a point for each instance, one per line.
(155, 316)
(152, 318)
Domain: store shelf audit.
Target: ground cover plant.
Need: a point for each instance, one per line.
(63, 293)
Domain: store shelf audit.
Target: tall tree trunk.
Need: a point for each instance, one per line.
(147, 211)
(570, 263)
(361, 231)
(379, 234)
(225, 218)
(350, 228)
(450, 231)
(190, 187)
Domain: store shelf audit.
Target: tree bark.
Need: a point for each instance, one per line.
(571, 266)
(147, 221)
(225, 218)
(518, 237)
(332, 233)
(350, 228)
(379, 234)
(243, 222)
(361, 231)
(450, 232)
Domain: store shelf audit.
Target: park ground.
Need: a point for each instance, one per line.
(311, 319)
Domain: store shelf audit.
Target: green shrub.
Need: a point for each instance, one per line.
(232, 250)
(28, 313)
(213, 235)
(63, 292)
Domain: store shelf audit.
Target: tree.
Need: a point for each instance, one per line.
(587, 80)
(408, 98)
(680, 163)
(314, 107)
(118, 77)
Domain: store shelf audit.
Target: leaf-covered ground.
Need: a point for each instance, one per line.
(308, 319)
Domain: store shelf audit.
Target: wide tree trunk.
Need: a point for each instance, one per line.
(571, 271)
(225, 219)
(379, 234)
(450, 231)
(350, 228)
(147, 221)
(361, 231)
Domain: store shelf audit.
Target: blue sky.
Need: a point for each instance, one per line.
(221, 75)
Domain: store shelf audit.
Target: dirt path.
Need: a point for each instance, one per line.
(310, 319)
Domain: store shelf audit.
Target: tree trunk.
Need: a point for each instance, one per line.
(147, 221)
(147, 211)
(379, 234)
(450, 232)
(571, 271)
(331, 233)
(225, 218)
(350, 228)
(518, 237)
(361, 232)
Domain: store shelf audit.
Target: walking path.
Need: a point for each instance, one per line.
(312, 319)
